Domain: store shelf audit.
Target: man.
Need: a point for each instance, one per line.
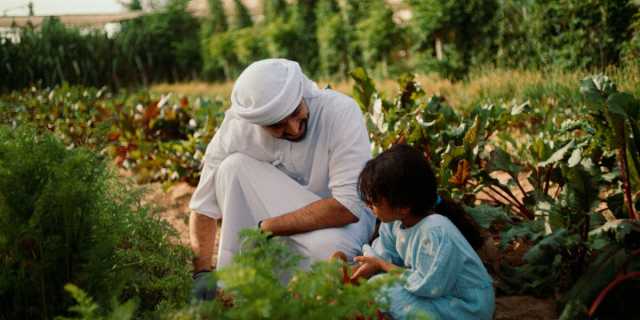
(286, 159)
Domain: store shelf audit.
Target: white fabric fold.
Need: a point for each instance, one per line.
(269, 90)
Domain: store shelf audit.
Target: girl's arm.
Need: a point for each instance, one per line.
(380, 256)
(436, 265)
(370, 265)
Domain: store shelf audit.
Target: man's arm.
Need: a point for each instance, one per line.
(202, 233)
(321, 214)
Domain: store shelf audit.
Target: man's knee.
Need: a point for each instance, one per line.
(320, 244)
(233, 165)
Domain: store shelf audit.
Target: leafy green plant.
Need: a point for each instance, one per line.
(157, 138)
(616, 116)
(454, 144)
(262, 283)
(64, 218)
(558, 179)
(87, 309)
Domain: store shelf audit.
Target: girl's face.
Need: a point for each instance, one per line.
(387, 213)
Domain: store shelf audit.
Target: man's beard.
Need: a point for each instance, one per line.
(302, 136)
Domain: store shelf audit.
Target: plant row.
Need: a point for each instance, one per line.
(157, 138)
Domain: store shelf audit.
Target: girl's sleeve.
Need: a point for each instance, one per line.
(384, 246)
(435, 267)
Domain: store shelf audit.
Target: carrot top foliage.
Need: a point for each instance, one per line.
(64, 218)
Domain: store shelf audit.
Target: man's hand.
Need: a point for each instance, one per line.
(321, 214)
(204, 286)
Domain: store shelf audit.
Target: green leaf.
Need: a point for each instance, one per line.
(85, 306)
(363, 89)
(532, 230)
(595, 89)
(558, 155)
(545, 250)
(593, 280)
(500, 160)
(633, 163)
(485, 215)
(518, 109)
(471, 137)
(576, 157)
(449, 155)
(623, 104)
(617, 229)
(633, 156)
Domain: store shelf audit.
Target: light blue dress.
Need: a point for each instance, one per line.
(444, 277)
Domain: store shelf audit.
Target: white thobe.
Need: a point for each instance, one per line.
(248, 176)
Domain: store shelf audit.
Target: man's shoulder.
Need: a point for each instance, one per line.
(336, 104)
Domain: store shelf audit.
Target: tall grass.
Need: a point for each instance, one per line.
(483, 85)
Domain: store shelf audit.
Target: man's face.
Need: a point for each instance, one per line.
(293, 127)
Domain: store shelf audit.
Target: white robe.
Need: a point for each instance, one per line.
(248, 176)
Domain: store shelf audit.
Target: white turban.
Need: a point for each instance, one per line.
(269, 90)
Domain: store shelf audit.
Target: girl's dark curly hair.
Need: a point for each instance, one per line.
(404, 178)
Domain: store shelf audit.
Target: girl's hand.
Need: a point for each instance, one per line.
(367, 267)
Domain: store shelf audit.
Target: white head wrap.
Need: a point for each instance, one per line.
(269, 90)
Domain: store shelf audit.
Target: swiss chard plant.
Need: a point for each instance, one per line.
(157, 138)
(454, 143)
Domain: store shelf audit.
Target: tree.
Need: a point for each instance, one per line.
(463, 29)
(273, 9)
(242, 18)
(581, 33)
(353, 11)
(378, 36)
(303, 19)
(216, 22)
(295, 37)
(332, 35)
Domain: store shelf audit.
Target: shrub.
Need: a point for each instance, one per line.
(379, 37)
(332, 35)
(161, 46)
(581, 34)
(64, 218)
(466, 28)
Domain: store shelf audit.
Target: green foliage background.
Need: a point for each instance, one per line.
(329, 38)
(162, 46)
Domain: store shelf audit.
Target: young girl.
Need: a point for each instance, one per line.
(432, 240)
